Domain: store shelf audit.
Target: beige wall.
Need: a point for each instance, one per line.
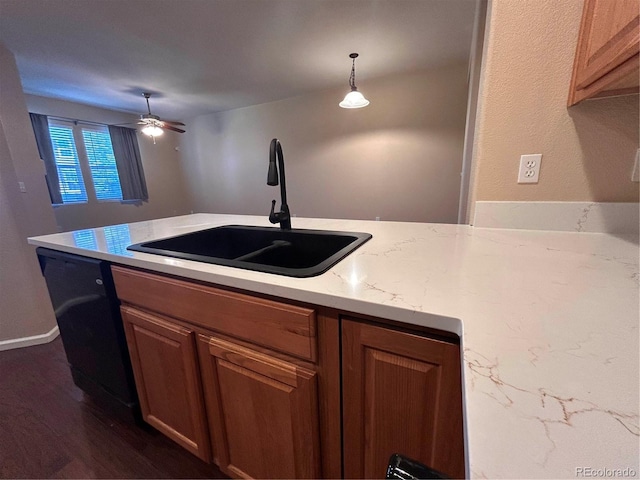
(162, 168)
(398, 159)
(25, 309)
(588, 150)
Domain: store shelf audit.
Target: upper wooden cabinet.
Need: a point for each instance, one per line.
(606, 61)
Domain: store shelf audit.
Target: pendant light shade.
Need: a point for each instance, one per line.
(353, 99)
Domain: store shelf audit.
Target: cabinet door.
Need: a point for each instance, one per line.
(262, 412)
(609, 37)
(401, 394)
(167, 377)
(607, 60)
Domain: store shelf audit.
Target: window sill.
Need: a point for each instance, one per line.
(122, 202)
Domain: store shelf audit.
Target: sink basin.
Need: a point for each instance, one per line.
(295, 253)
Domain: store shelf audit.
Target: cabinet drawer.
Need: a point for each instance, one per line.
(280, 326)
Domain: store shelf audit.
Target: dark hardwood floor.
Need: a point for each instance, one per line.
(50, 429)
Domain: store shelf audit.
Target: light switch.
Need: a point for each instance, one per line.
(22, 187)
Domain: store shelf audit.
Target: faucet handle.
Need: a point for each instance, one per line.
(273, 217)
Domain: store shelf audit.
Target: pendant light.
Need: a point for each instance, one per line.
(353, 99)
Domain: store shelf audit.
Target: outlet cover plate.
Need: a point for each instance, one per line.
(529, 171)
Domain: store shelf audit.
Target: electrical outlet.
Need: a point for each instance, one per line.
(529, 171)
(635, 176)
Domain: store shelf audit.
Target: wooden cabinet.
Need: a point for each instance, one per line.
(263, 412)
(607, 61)
(272, 389)
(167, 378)
(245, 393)
(401, 394)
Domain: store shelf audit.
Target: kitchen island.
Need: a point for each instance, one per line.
(548, 323)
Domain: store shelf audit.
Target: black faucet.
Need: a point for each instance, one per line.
(283, 217)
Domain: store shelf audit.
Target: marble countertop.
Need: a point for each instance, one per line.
(548, 324)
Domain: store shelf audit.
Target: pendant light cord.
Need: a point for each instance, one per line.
(352, 77)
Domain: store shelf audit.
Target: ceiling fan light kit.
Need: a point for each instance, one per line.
(353, 99)
(152, 130)
(153, 126)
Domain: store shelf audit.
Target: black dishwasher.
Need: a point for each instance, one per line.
(87, 310)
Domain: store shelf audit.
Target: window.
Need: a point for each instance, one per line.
(84, 151)
(64, 149)
(102, 163)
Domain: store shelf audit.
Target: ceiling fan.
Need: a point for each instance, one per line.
(153, 125)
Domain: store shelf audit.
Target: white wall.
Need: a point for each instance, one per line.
(399, 158)
(588, 149)
(162, 168)
(25, 309)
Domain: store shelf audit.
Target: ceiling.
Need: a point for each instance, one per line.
(202, 56)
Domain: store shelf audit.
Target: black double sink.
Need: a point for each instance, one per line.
(294, 253)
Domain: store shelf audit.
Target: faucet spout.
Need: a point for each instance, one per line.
(274, 176)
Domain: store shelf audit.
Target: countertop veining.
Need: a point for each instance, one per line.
(548, 321)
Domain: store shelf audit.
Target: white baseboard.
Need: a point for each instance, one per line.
(29, 341)
(594, 217)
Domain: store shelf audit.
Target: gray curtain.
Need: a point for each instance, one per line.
(129, 163)
(43, 140)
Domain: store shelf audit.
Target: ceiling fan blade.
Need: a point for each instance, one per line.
(174, 129)
(122, 124)
(173, 123)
